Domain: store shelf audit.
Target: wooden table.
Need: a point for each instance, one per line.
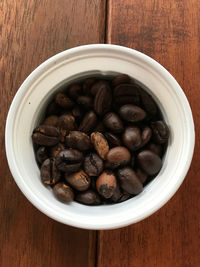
(32, 31)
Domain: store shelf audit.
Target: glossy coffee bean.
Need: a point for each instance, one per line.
(78, 140)
(89, 122)
(49, 173)
(41, 154)
(129, 181)
(132, 138)
(126, 94)
(132, 113)
(46, 135)
(63, 192)
(100, 144)
(113, 122)
(78, 180)
(93, 164)
(118, 156)
(77, 112)
(88, 197)
(64, 101)
(121, 79)
(146, 136)
(106, 184)
(87, 85)
(103, 99)
(148, 102)
(85, 101)
(52, 120)
(67, 122)
(74, 91)
(97, 85)
(155, 148)
(55, 150)
(69, 160)
(160, 132)
(141, 175)
(112, 139)
(149, 162)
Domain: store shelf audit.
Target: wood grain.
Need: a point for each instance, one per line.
(169, 32)
(30, 32)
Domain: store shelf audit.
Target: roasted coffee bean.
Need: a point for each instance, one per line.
(74, 91)
(146, 136)
(149, 162)
(125, 196)
(66, 123)
(100, 127)
(49, 173)
(118, 156)
(93, 164)
(112, 139)
(78, 140)
(117, 194)
(85, 101)
(77, 112)
(160, 132)
(106, 184)
(64, 101)
(148, 102)
(100, 144)
(103, 99)
(52, 120)
(113, 122)
(53, 109)
(132, 113)
(155, 148)
(97, 85)
(78, 180)
(46, 135)
(129, 181)
(87, 85)
(69, 160)
(126, 94)
(55, 150)
(41, 154)
(89, 122)
(121, 79)
(88, 197)
(132, 138)
(141, 175)
(63, 192)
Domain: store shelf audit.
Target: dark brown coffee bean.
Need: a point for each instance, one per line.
(88, 197)
(155, 148)
(106, 184)
(146, 136)
(125, 196)
(46, 135)
(100, 144)
(77, 112)
(52, 120)
(41, 154)
(117, 194)
(64, 101)
(120, 79)
(78, 180)
(55, 150)
(112, 139)
(129, 181)
(69, 160)
(74, 91)
(100, 127)
(103, 99)
(113, 122)
(149, 162)
(118, 156)
(132, 138)
(87, 85)
(122, 100)
(93, 164)
(126, 94)
(63, 192)
(89, 122)
(141, 175)
(85, 101)
(49, 173)
(97, 85)
(66, 123)
(148, 102)
(132, 113)
(53, 109)
(160, 132)
(78, 140)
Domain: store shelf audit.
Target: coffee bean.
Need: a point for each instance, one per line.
(69, 160)
(103, 99)
(155, 148)
(149, 162)
(85, 101)
(126, 94)
(106, 184)
(46, 135)
(55, 150)
(117, 194)
(89, 122)
(132, 138)
(63, 192)
(100, 144)
(53, 109)
(112, 139)
(88, 197)
(113, 122)
(52, 120)
(97, 85)
(120, 79)
(129, 181)
(160, 132)
(78, 180)
(87, 85)
(148, 102)
(141, 175)
(118, 156)
(41, 154)
(64, 101)
(132, 113)
(146, 136)
(66, 123)
(78, 140)
(77, 112)
(49, 173)
(74, 91)
(93, 164)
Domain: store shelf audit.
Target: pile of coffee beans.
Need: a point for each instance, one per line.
(102, 141)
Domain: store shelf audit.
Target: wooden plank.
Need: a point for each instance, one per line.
(30, 32)
(168, 31)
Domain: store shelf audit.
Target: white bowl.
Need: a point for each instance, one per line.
(34, 95)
